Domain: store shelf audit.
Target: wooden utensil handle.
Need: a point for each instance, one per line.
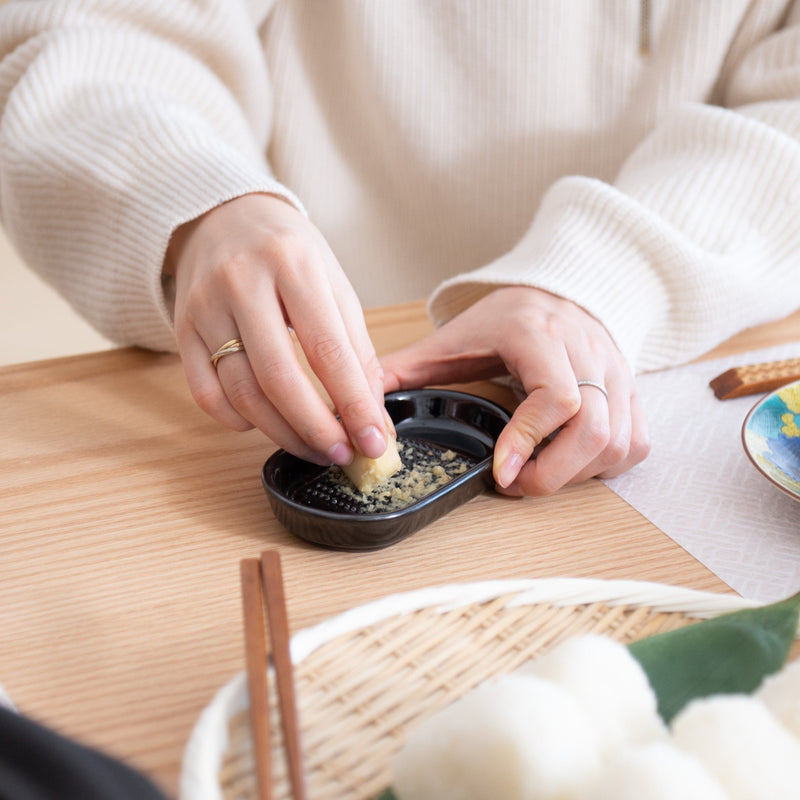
(277, 617)
(257, 681)
(755, 378)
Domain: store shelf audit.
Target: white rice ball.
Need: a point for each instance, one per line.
(513, 737)
(610, 684)
(780, 692)
(654, 771)
(736, 737)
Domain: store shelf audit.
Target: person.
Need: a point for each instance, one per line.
(585, 191)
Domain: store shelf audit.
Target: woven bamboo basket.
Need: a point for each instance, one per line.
(364, 678)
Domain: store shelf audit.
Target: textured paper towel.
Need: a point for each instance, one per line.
(699, 487)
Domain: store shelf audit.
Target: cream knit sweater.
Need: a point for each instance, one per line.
(442, 146)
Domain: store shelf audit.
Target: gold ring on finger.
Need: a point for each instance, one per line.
(231, 346)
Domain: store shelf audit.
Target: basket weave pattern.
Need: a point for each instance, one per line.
(359, 693)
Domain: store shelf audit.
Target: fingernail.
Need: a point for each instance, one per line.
(509, 469)
(340, 454)
(371, 442)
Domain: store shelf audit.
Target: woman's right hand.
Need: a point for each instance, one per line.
(250, 269)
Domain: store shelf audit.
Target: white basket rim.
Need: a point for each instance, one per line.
(209, 738)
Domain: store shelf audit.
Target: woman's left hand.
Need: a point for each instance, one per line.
(576, 380)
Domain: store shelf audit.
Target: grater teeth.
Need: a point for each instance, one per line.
(426, 467)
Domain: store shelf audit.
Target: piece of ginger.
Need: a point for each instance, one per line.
(367, 473)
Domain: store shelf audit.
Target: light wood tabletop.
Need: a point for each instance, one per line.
(125, 513)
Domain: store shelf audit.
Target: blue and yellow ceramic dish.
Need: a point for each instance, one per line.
(771, 436)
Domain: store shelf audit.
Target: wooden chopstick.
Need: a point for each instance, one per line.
(257, 678)
(262, 582)
(272, 579)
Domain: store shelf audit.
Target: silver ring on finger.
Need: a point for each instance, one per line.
(595, 385)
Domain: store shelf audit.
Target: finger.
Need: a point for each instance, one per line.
(204, 384)
(356, 327)
(326, 341)
(618, 442)
(241, 386)
(233, 370)
(552, 399)
(578, 444)
(275, 389)
(581, 445)
(208, 390)
(639, 444)
(448, 355)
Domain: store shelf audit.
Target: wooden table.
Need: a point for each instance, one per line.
(124, 512)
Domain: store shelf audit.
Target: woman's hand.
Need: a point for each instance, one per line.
(248, 269)
(549, 345)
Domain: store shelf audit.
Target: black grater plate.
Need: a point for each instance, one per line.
(306, 500)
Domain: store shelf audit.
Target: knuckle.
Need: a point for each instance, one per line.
(212, 400)
(235, 279)
(527, 433)
(292, 260)
(328, 351)
(567, 403)
(278, 374)
(227, 274)
(597, 438)
(617, 448)
(316, 435)
(373, 368)
(209, 398)
(284, 247)
(245, 395)
(358, 408)
(639, 448)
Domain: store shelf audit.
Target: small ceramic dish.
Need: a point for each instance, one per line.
(447, 420)
(771, 438)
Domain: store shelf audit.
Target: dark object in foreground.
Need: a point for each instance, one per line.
(464, 423)
(37, 763)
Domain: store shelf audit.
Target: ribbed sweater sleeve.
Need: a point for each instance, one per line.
(658, 191)
(695, 239)
(118, 122)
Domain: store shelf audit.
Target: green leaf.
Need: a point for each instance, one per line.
(731, 653)
(386, 794)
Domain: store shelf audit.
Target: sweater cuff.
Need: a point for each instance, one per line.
(595, 246)
(189, 185)
(132, 303)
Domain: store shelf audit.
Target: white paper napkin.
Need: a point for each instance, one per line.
(699, 487)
